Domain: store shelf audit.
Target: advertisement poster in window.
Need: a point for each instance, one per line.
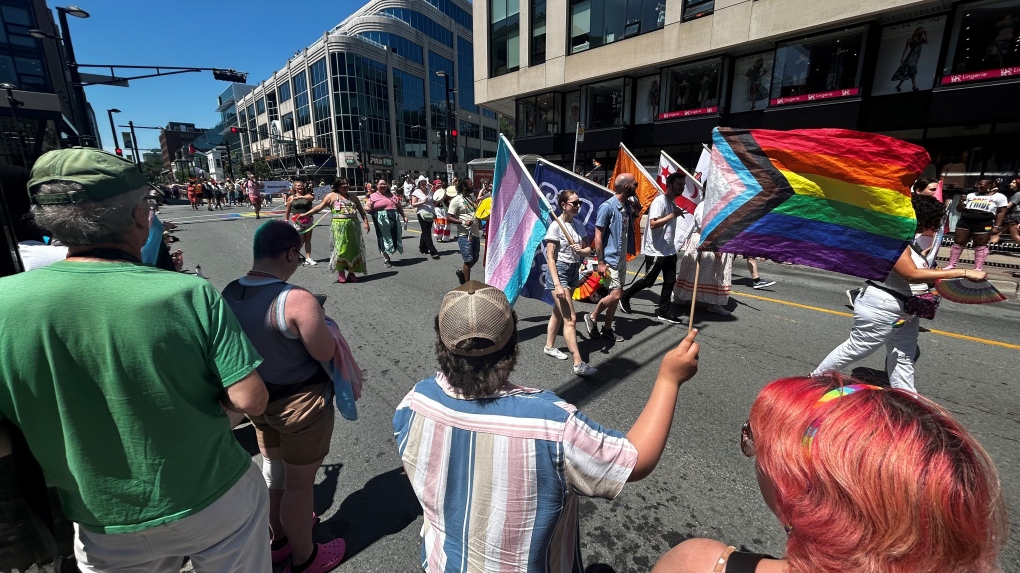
(824, 67)
(985, 44)
(646, 108)
(752, 82)
(572, 105)
(908, 56)
(691, 89)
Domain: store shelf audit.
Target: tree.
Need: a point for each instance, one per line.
(152, 168)
(506, 127)
(262, 170)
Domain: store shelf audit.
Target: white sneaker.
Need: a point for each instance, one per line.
(717, 309)
(555, 353)
(311, 262)
(583, 369)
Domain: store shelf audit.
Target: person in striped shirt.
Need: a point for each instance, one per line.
(499, 468)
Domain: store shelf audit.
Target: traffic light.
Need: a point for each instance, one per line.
(119, 152)
(229, 75)
(234, 130)
(453, 134)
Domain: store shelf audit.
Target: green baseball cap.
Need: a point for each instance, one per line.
(101, 175)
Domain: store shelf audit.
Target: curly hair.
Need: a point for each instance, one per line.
(888, 482)
(465, 187)
(929, 212)
(477, 376)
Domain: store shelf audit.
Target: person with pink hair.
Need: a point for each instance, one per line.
(863, 479)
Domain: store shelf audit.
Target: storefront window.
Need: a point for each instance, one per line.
(821, 67)
(605, 104)
(539, 115)
(984, 44)
(908, 56)
(752, 80)
(572, 107)
(691, 89)
(646, 106)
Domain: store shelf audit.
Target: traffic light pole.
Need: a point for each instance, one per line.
(113, 129)
(134, 143)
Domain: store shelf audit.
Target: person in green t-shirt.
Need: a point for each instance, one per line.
(119, 375)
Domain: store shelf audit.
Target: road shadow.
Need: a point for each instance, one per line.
(324, 493)
(871, 376)
(408, 262)
(375, 276)
(245, 435)
(385, 506)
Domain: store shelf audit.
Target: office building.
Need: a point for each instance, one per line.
(660, 74)
(174, 140)
(365, 100)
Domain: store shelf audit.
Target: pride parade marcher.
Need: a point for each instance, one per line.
(614, 239)
(287, 326)
(134, 438)
(384, 207)
(348, 254)
(253, 190)
(881, 315)
(563, 261)
(462, 213)
(425, 208)
(864, 480)
(539, 454)
(299, 202)
(715, 280)
(981, 215)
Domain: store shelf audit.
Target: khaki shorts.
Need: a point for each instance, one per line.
(301, 425)
(616, 274)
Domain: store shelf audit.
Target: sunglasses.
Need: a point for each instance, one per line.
(301, 258)
(747, 439)
(574, 203)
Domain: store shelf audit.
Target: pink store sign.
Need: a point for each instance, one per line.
(850, 92)
(688, 112)
(984, 75)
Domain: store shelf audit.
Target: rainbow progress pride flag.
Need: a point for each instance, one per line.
(833, 199)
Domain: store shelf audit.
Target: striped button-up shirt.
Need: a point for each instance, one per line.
(499, 477)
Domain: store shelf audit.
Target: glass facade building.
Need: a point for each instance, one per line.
(364, 101)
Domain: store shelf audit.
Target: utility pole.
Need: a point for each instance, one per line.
(134, 143)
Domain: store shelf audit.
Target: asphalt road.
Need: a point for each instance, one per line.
(704, 486)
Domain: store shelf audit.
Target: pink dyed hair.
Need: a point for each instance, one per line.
(893, 483)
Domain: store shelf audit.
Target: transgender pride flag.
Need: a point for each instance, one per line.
(519, 219)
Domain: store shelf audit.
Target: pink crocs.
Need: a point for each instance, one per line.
(328, 556)
(281, 554)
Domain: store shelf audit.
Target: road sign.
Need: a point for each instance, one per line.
(580, 133)
(127, 139)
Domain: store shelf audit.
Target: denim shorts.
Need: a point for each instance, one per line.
(468, 248)
(569, 274)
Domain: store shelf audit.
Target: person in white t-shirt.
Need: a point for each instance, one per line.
(981, 214)
(563, 263)
(425, 206)
(659, 250)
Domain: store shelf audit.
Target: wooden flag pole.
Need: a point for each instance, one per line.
(694, 295)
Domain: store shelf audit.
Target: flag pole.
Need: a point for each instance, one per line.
(694, 295)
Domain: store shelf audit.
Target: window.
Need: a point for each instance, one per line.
(537, 32)
(400, 45)
(320, 105)
(437, 88)
(691, 89)
(458, 14)
(488, 113)
(594, 23)
(300, 83)
(908, 56)
(469, 129)
(422, 23)
(605, 104)
(412, 129)
(984, 42)
(752, 81)
(284, 90)
(539, 115)
(821, 67)
(260, 106)
(572, 105)
(465, 76)
(490, 133)
(504, 37)
(646, 104)
(361, 103)
(263, 132)
(697, 9)
(15, 22)
(274, 110)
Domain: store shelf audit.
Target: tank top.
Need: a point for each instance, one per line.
(344, 209)
(739, 561)
(299, 206)
(285, 360)
(896, 282)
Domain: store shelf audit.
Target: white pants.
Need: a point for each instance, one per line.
(231, 535)
(879, 319)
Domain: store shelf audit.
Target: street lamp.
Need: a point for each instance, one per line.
(113, 129)
(84, 126)
(364, 148)
(451, 153)
(15, 104)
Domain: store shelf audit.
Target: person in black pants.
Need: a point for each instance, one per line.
(659, 250)
(425, 206)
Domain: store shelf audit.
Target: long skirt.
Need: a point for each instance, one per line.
(348, 247)
(714, 281)
(388, 232)
(441, 226)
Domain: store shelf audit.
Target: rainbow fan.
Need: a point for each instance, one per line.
(965, 291)
(588, 286)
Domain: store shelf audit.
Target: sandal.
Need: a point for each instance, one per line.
(340, 279)
(327, 557)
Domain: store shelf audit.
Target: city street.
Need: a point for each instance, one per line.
(704, 486)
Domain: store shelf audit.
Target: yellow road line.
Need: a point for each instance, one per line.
(838, 313)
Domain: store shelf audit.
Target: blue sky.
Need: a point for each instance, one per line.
(254, 36)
